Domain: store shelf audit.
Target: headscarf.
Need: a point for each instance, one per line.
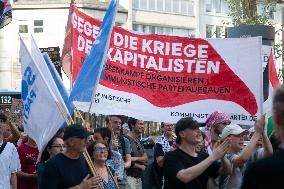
(217, 117)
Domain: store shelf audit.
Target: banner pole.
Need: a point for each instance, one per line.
(91, 165)
(71, 49)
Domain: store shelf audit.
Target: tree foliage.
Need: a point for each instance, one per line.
(251, 12)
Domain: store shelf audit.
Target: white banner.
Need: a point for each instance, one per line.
(164, 78)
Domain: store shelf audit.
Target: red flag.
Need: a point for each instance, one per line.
(273, 78)
(66, 57)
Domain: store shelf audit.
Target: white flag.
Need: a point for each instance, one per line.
(42, 110)
(40, 61)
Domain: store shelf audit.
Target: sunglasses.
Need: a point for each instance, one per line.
(101, 149)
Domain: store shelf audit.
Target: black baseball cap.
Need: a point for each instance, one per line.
(187, 123)
(76, 130)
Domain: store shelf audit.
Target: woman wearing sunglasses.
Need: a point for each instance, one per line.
(100, 153)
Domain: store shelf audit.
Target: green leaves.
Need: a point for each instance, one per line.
(251, 12)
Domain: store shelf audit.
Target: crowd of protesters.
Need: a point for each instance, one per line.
(188, 154)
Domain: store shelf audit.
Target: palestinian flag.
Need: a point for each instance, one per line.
(273, 84)
(5, 13)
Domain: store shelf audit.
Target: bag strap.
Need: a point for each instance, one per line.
(2, 147)
(122, 142)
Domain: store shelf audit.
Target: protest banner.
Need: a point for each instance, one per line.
(163, 78)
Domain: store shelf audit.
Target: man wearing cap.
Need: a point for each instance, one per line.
(238, 155)
(69, 169)
(268, 172)
(184, 167)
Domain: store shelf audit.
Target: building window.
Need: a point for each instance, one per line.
(208, 6)
(143, 4)
(152, 29)
(145, 29)
(168, 5)
(180, 32)
(152, 5)
(191, 8)
(23, 29)
(119, 24)
(225, 7)
(38, 26)
(226, 32)
(219, 30)
(160, 5)
(218, 5)
(135, 4)
(168, 31)
(184, 7)
(160, 30)
(209, 31)
(163, 30)
(176, 8)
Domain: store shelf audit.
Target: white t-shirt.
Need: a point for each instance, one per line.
(9, 163)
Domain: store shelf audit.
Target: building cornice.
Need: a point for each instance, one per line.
(33, 5)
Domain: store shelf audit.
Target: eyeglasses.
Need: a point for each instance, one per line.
(58, 146)
(101, 149)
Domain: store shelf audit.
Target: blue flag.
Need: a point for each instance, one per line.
(91, 71)
(56, 78)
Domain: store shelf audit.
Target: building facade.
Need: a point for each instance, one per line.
(46, 21)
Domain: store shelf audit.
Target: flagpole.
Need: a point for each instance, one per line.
(71, 49)
(85, 153)
(101, 65)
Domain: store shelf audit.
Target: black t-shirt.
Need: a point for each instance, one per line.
(158, 171)
(61, 172)
(266, 173)
(177, 160)
(158, 150)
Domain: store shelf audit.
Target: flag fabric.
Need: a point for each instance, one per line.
(48, 73)
(91, 71)
(66, 57)
(5, 13)
(273, 84)
(43, 112)
(56, 78)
